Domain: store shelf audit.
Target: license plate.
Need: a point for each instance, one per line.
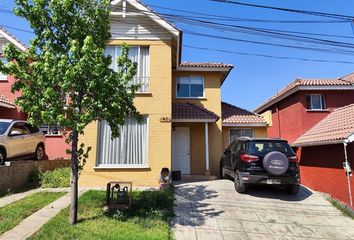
(273, 181)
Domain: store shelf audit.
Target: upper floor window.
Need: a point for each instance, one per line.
(190, 87)
(138, 54)
(3, 76)
(316, 102)
(240, 132)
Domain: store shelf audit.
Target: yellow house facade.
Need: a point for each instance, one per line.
(180, 103)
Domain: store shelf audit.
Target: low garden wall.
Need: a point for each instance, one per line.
(16, 173)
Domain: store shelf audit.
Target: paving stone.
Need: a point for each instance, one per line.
(229, 224)
(208, 234)
(254, 227)
(185, 233)
(233, 235)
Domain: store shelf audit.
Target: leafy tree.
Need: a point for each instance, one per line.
(65, 77)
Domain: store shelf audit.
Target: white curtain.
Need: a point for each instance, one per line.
(129, 149)
(139, 55)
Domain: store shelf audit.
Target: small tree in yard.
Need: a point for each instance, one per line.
(65, 78)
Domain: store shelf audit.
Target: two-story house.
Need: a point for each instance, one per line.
(303, 103)
(183, 125)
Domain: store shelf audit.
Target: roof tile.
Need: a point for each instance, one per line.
(6, 101)
(186, 110)
(205, 64)
(337, 126)
(233, 114)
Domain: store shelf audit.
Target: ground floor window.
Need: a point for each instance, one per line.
(240, 132)
(130, 149)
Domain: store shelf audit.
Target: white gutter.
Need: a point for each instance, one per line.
(7, 105)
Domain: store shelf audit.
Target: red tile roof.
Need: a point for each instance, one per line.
(4, 102)
(235, 115)
(205, 64)
(348, 78)
(13, 37)
(330, 82)
(191, 111)
(336, 127)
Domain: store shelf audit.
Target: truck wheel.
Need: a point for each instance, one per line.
(39, 154)
(2, 157)
(239, 185)
(292, 189)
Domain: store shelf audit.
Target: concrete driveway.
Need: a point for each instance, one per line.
(210, 210)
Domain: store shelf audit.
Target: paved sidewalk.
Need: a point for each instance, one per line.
(17, 196)
(214, 210)
(33, 223)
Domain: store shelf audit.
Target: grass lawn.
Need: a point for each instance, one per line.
(13, 213)
(146, 220)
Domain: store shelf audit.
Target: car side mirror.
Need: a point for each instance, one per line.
(227, 151)
(15, 133)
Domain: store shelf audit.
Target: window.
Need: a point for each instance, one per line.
(316, 102)
(3, 76)
(129, 150)
(138, 54)
(241, 132)
(50, 129)
(19, 129)
(190, 87)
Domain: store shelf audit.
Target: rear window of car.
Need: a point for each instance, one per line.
(31, 128)
(3, 127)
(264, 147)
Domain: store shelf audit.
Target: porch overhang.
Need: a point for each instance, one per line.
(190, 112)
(4, 102)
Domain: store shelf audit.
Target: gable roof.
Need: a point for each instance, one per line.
(337, 127)
(11, 38)
(235, 116)
(190, 112)
(308, 84)
(4, 102)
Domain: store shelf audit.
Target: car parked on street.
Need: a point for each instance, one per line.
(261, 161)
(18, 138)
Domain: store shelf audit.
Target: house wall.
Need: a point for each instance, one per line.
(290, 119)
(212, 102)
(321, 168)
(260, 132)
(156, 105)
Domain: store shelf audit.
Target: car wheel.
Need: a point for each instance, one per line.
(292, 189)
(239, 185)
(2, 157)
(39, 154)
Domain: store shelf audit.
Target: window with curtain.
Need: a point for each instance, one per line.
(3, 76)
(130, 149)
(138, 54)
(316, 102)
(190, 86)
(240, 132)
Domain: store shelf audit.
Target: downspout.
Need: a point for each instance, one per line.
(278, 116)
(348, 175)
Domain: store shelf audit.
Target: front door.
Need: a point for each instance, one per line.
(181, 150)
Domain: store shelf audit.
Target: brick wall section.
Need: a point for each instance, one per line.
(16, 175)
(293, 118)
(322, 170)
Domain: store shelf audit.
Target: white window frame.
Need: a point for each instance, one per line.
(3, 77)
(253, 133)
(321, 102)
(149, 64)
(189, 77)
(123, 166)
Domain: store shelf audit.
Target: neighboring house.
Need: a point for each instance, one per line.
(182, 127)
(237, 122)
(303, 103)
(55, 144)
(322, 151)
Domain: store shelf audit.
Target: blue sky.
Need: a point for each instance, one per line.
(253, 79)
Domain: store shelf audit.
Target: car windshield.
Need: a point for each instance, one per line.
(3, 127)
(264, 147)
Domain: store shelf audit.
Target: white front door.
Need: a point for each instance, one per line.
(181, 150)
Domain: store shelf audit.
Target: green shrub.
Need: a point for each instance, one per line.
(59, 177)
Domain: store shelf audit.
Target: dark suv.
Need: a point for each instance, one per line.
(261, 161)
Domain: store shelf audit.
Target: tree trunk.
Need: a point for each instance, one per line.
(74, 178)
